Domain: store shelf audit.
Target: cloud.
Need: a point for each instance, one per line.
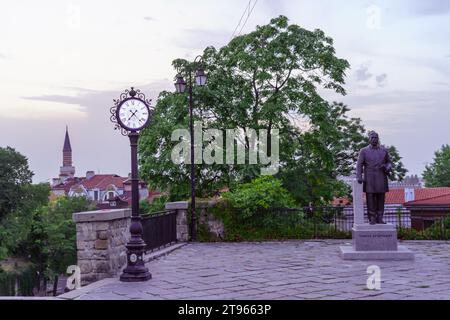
(362, 73)
(148, 18)
(430, 7)
(96, 146)
(414, 121)
(199, 39)
(2, 56)
(96, 103)
(56, 98)
(381, 79)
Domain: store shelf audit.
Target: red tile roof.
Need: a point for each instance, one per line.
(102, 181)
(433, 201)
(397, 196)
(68, 183)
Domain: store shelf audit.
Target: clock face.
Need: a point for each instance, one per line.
(133, 114)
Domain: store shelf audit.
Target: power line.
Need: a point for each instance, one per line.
(248, 9)
(248, 16)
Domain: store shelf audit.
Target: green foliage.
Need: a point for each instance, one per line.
(157, 205)
(440, 230)
(25, 278)
(16, 226)
(14, 176)
(52, 240)
(259, 194)
(437, 174)
(398, 169)
(269, 225)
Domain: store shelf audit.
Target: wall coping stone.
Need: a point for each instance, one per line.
(177, 205)
(101, 215)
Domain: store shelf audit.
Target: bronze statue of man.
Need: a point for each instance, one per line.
(375, 163)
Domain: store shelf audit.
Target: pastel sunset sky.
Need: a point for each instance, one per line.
(63, 62)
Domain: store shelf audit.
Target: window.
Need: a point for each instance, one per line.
(110, 195)
(95, 195)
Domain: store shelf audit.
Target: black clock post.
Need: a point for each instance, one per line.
(131, 113)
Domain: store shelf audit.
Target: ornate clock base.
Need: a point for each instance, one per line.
(136, 270)
(135, 276)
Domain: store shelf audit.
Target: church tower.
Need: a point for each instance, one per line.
(67, 170)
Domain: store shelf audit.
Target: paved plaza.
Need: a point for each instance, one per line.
(281, 270)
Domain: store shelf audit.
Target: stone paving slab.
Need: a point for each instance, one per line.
(279, 271)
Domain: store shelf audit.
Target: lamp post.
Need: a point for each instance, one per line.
(131, 113)
(180, 86)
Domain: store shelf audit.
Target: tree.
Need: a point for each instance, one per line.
(267, 79)
(14, 176)
(16, 226)
(437, 174)
(262, 193)
(52, 239)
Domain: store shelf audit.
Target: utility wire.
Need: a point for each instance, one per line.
(248, 10)
(248, 16)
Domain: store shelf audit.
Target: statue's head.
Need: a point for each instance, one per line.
(374, 139)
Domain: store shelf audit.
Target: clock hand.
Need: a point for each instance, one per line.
(133, 114)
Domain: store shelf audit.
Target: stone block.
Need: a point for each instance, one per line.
(101, 226)
(374, 237)
(402, 253)
(102, 235)
(85, 266)
(101, 215)
(177, 205)
(181, 220)
(89, 278)
(101, 266)
(93, 255)
(87, 232)
(101, 244)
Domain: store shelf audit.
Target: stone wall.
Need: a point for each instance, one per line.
(101, 239)
(213, 225)
(102, 236)
(182, 226)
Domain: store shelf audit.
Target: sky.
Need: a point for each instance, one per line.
(63, 62)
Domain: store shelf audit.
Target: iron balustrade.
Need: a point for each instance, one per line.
(324, 220)
(159, 229)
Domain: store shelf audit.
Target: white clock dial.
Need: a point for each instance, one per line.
(133, 114)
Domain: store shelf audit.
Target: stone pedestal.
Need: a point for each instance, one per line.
(380, 237)
(372, 242)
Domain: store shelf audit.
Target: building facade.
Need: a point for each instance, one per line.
(106, 190)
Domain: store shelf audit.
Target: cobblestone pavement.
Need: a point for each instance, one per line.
(284, 270)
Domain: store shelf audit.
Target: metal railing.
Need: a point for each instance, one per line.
(325, 220)
(159, 229)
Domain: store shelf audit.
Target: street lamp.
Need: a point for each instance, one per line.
(131, 113)
(180, 87)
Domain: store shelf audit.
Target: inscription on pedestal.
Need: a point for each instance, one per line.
(374, 240)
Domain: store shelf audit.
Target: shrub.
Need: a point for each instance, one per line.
(261, 194)
(157, 205)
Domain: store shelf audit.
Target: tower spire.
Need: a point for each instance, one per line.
(67, 146)
(67, 169)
